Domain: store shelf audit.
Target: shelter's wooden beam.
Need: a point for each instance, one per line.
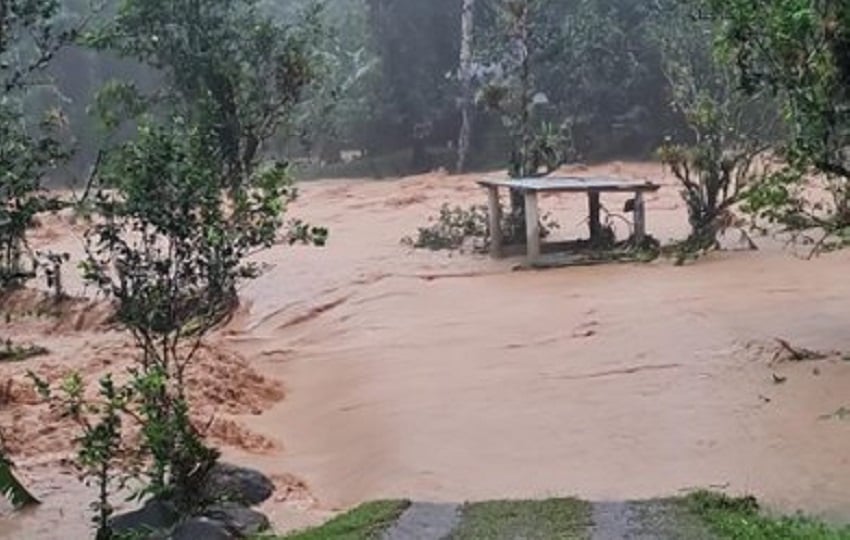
(495, 222)
(640, 218)
(595, 224)
(532, 226)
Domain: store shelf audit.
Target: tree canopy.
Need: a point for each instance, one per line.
(800, 50)
(391, 85)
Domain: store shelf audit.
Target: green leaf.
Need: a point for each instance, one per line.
(12, 488)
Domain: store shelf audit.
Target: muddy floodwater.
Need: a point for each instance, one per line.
(366, 370)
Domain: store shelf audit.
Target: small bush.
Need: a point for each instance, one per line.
(453, 228)
(457, 228)
(102, 450)
(713, 181)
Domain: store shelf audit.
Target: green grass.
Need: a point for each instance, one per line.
(561, 519)
(365, 522)
(741, 519)
(698, 516)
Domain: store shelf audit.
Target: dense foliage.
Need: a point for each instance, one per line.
(181, 202)
(393, 90)
(232, 79)
(29, 39)
(801, 51)
(729, 130)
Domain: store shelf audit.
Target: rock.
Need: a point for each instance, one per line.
(239, 520)
(240, 484)
(201, 528)
(154, 515)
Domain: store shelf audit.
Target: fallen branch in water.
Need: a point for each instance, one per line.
(798, 354)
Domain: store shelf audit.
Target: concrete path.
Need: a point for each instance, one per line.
(645, 520)
(611, 520)
(425, 521)
(649, 520)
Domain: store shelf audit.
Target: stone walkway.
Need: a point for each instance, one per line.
(425, 521)
(650, 520)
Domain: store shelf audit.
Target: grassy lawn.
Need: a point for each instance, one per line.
(700, 516)
(741, 519)
(365, 522)
(561, 519)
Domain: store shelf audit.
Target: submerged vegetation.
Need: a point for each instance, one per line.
(12, 352)
(456, 228)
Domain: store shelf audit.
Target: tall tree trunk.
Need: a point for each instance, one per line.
(522, 146)
(526, 98)
(467, 34)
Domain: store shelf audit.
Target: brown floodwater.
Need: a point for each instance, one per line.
(453, 378)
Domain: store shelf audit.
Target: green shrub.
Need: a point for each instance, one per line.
(468, 229)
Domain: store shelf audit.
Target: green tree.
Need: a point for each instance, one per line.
(465, 74)
(800, 50)
(232, 77)
(728, 130)
(338, 105)
(187, 200)
(511, 91)
(229, 69)
(30, 37)
(604, 77)
(522, 37)
(417, 44)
